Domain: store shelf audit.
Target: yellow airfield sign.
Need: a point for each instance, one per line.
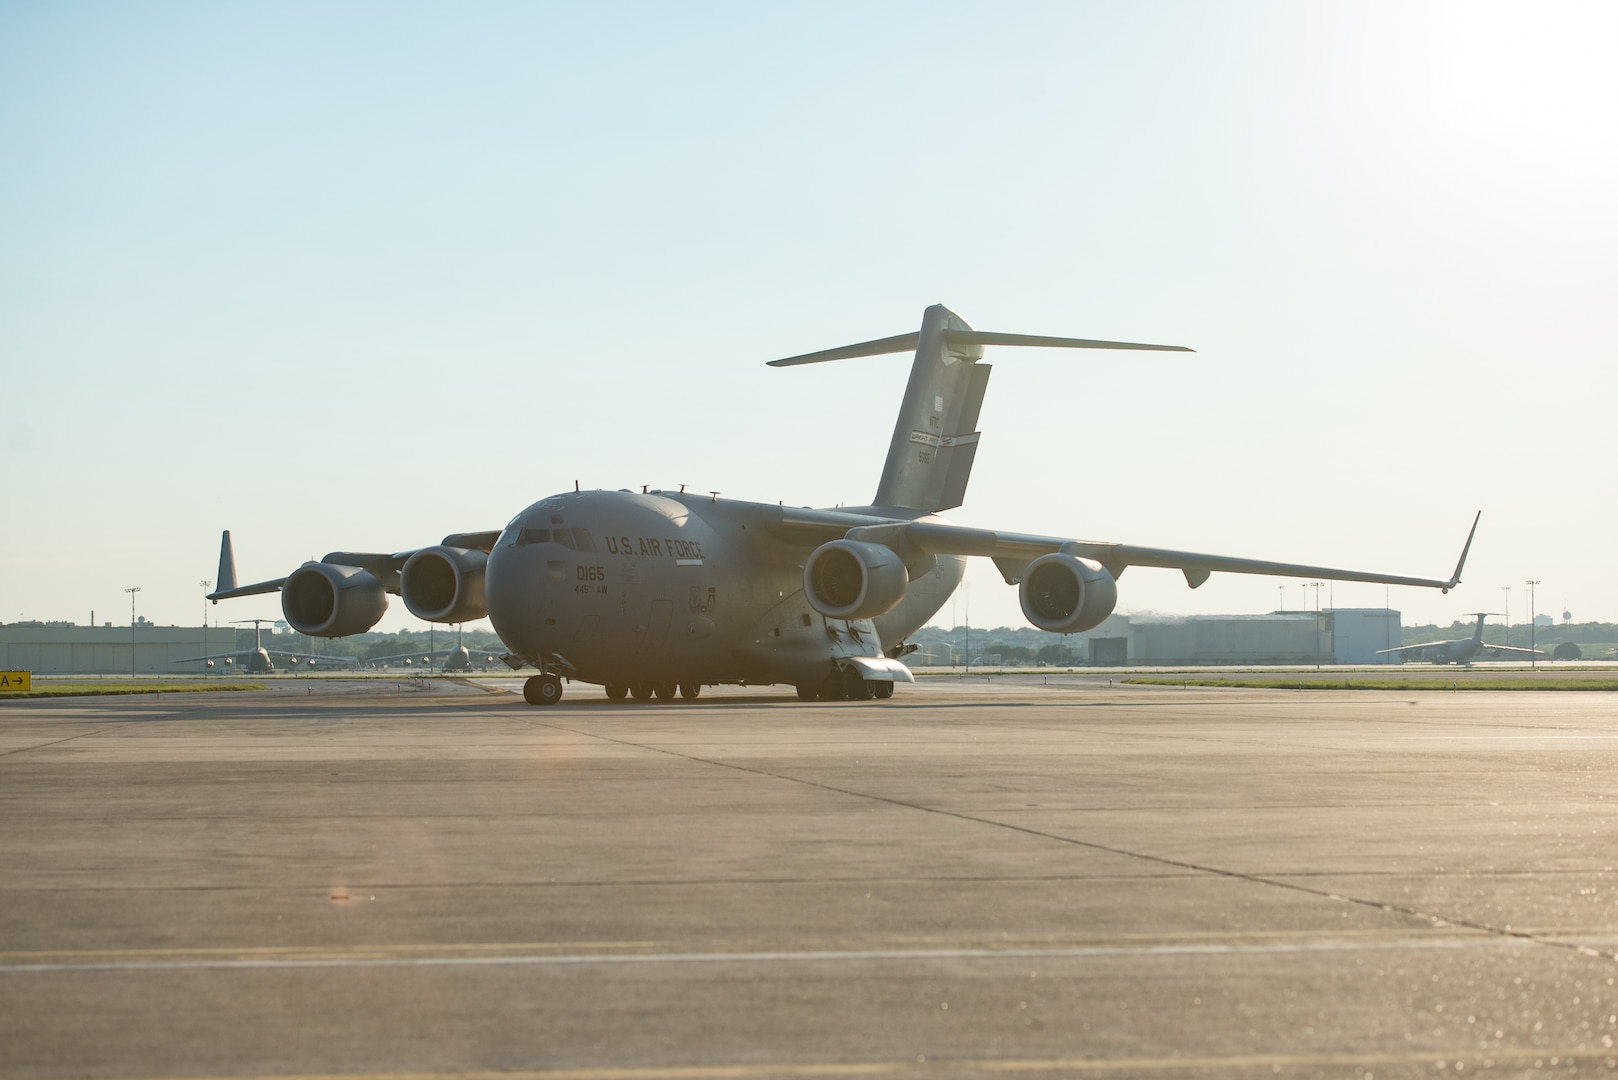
(15, 680)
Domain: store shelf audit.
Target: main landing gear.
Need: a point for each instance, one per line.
(662, 691)
(845, 685)
(543, 689)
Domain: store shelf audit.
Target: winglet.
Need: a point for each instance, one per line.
(1455, 578)
(226, 588)
(225, 580)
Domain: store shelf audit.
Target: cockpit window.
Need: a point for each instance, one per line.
(583, 539)
(563, 537)
(534, 536)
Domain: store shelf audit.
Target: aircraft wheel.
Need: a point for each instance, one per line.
(542, 690)
(690, 690)
(640, 692)
(855, 688)
(832, 689)
(808, 691)
(617, 691)
(664, 691)
(881, 690)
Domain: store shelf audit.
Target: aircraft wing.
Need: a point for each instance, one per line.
(385, 565)
(1012, 552)
(1514, 650)
(214, 656)
(256, 589)
(436, 654)
(316, 661)
(1402, 649)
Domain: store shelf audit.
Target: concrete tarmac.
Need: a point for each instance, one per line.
(976, 878)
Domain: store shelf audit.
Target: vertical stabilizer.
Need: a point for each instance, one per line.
(934, 442)
(935, 438)
(225, 580)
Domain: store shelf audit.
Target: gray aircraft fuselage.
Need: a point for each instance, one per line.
(622, 587)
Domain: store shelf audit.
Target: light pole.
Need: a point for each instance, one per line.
(1316, 586)
(1507, 590)
(1533, 661)
(205, 585)
(132, 592)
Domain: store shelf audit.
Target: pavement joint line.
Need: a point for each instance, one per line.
(53, 742)
(1540, 1057)
(1342, 939)
(1235, 875)
(769, 957)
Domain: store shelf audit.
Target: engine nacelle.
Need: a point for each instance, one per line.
(444, 584)
(851, 579)
(1064, 594)
(332, 600)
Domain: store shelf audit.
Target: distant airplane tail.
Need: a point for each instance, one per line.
(934, 440)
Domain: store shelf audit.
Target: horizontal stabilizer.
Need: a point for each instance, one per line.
(967, 338)
(988, 337)
(902, 343)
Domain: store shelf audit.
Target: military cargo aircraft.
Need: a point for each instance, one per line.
(457, 659)
(1461, 650)
(658, 593)
(257, 660)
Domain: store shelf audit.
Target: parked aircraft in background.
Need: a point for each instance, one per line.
(1460, 650)
(654, 592)
(257, 659)
(457, 659)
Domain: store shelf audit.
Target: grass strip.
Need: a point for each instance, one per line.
(89, 689)
(1518, 683)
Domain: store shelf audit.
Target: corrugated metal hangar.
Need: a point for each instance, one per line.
(1331, 636)
(145, 648)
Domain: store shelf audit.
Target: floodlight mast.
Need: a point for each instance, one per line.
(1533, 661)
(206, 585)
(132, 591)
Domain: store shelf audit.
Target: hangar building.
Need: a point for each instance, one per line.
(1331, 636)
(62, 648)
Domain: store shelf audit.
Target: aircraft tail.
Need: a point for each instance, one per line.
(935, 438)
(225, 580)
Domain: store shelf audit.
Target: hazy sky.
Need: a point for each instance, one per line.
(355, 276)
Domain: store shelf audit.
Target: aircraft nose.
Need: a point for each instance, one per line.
(513, 581)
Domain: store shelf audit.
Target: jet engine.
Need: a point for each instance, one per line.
(851, 579)
(444, 584)
(1065, 594)
(331, 600)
